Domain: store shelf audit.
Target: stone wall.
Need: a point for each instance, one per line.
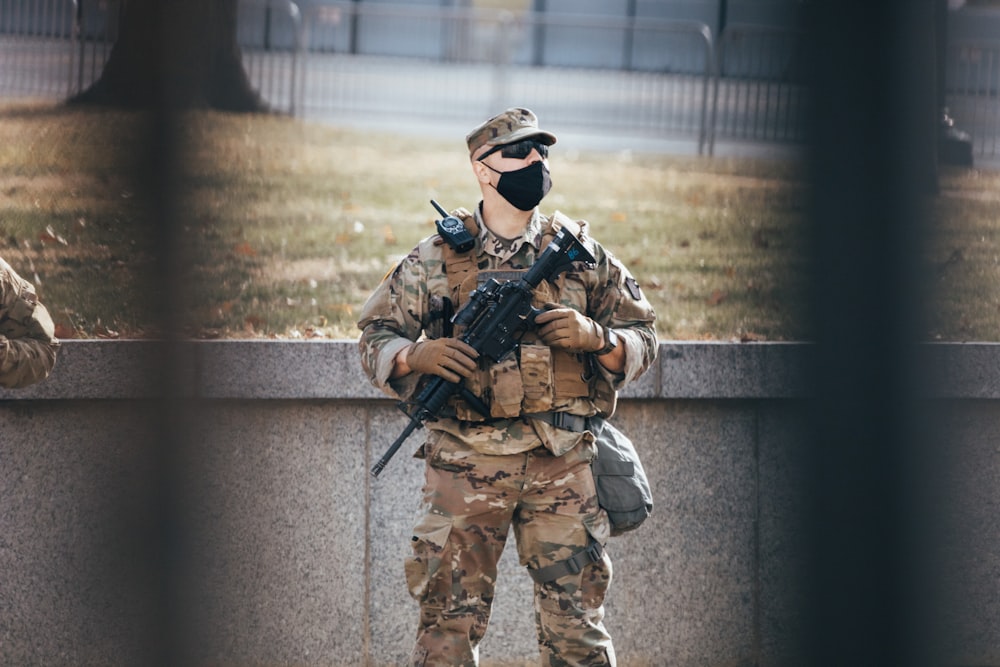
(210, 503)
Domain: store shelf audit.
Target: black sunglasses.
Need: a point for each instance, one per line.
(519, 149)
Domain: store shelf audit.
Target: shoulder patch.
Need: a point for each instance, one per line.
(633, 288)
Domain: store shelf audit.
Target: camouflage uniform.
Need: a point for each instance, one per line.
(486, 475)
(27, 336)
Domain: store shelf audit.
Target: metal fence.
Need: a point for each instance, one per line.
(54, 48)
(642, 77)
(759, 86)
(972, 88)
(269, 33)
(461, 64)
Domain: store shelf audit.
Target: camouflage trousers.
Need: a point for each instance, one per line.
(471, 501)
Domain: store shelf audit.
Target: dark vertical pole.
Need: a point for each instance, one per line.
(723, 18)
(629, 35)
(160, 172)
(355, 21)
(539, 56)
(166, 524)
(267, 27)
(865, 603)
(941, 50)
(79, 35)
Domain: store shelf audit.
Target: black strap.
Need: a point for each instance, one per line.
(563, 420)
(572, 565)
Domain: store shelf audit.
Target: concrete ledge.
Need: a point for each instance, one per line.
(329, 369)
(290, 553)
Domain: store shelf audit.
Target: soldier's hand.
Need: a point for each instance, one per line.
(568, 329)
(448, 358)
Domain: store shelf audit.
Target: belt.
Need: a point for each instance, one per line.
(563, 420)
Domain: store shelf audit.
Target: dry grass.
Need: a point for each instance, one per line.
(286, 227)
(963, 259)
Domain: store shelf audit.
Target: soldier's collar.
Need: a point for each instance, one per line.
(495, 245)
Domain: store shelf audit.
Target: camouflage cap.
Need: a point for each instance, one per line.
(512, 125)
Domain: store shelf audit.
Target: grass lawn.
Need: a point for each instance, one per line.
(286, 227)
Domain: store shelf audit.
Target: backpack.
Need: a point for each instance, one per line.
(622, 488)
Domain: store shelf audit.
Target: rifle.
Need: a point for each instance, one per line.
(495, 317)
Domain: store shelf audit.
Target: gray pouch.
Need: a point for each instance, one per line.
(622, 488)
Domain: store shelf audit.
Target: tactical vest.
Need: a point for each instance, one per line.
(536, 377)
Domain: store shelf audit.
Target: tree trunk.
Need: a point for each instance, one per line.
(175, 54)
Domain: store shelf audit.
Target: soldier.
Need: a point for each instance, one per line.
(525, 465)
(28, 345)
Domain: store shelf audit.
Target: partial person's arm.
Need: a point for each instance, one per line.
(28, 344)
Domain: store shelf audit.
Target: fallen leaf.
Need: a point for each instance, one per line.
(64, 332)
(102, 331)
(956, 256)
(50, 236)
(253, 322)
(718, 296)
(244, 249)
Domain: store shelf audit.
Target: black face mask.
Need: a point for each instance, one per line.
(524, 188)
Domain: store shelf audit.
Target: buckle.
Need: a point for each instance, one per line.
(569, 422)
(590, 554)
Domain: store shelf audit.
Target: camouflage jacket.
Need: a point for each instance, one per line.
(28, 344)
(415, 300)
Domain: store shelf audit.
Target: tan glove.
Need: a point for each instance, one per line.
(568, 329)
(448, 358)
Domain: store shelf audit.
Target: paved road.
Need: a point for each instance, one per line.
(634, 112)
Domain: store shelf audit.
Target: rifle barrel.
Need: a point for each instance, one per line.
(394, 447)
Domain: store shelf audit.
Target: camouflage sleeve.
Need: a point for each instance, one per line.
(618, 302)
(391, 319)
(28, 345)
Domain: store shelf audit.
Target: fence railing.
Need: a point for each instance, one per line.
(270, 36)
(641, 77)
(54, 48)
(972, 89)
(760, 89)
